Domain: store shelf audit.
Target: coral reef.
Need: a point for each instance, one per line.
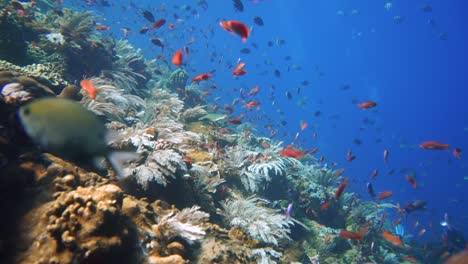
(187, 197)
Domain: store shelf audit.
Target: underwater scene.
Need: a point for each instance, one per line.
(233, 131)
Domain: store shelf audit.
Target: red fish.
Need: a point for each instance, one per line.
(236, 27)
(374, 174)
(384, 195)
(457, 153)
(412, 181)
(240, 70)
(88, 86)
(304, 125)
(235, 121)
(325, 205)
(158, 24)
(292, 153)
(341, 188)
(394, 239)
(201, 77)
(353, 235)
(385, 155)
(171, 26)
(434, 145)
(177, 58)
(367, 105)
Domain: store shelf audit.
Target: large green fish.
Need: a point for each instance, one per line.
(67, 129)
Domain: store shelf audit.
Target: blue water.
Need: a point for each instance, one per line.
(418, 80)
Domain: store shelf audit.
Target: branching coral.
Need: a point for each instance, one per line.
(260, 222)
(185, 224)
(48, 73)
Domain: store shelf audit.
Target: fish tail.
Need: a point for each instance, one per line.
(119, 159)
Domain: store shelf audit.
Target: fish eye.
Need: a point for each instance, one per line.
(26, 111)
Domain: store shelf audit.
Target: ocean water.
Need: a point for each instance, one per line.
(349, 52)
(331, 56)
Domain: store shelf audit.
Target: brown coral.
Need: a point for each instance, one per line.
(84, 225)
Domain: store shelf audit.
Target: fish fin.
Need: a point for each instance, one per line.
(118, 160)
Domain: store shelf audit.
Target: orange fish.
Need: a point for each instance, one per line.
(367, 105)
(201, 77)
(240, 69)
(102, 27)
(88, 86)
(304, 125)
(412, 181)
(434, 145)
(353, 235)
(374, 174)
(252, 104)
(254, 90)
(384, 195)
(177, 58)
(325, 205)
(394, 239)
(236, 27)
(457, 153)
(158, 24)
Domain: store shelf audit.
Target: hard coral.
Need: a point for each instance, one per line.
(84, 225)
(47, 74)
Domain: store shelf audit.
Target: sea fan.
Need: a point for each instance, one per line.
(193, 114)
(159, 167)
(185, 224)
(235, 160)
(262, 223)
(251, 181)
